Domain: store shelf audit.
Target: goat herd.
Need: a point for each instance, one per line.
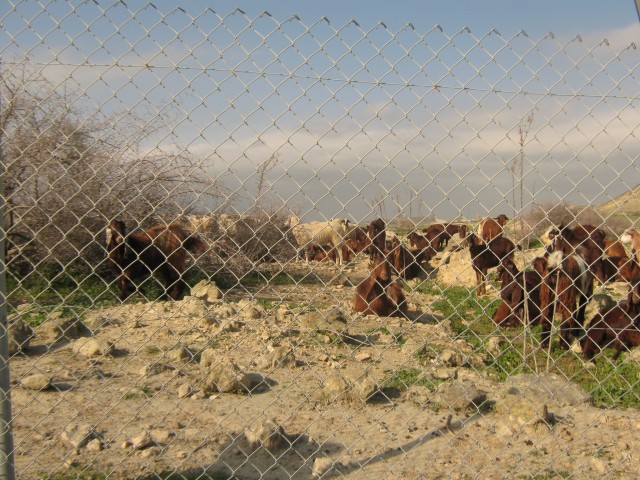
(560, 283)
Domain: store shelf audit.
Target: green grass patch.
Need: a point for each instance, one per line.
(75, 473)
(509, 362)
(535, 243)
(470, 316)
(255, 278)
(152, 350)
(612, 384)
(405, 377)
(397, 337)
(140, 392)
(56, 287)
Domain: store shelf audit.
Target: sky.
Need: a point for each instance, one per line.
(413, 108)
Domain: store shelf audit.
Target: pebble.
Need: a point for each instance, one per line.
(37, 381)
(185, 390)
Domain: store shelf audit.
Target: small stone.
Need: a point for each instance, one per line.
(334, 321)
(452, 358)
(92, 347)
(493, 345)
(182, 455)
(20, 335)
(209, 357)
(58, 328)
(441, 373)
(267, 434)
(460, 394)
(37, 381)
(155, 369)
(386, 339)
(153, 451)
(126, 445)
(335, 386)
(162, 435)
(250, 310)
(283, 357)
(142, 441)
(96, 322)
(79, 435)
(363, 357)
(227, 377)
(599, 465)
(207, 291)
(95, 445)
(184, 390)
(229, 325)
(225, 311)
(183, 354)
(363, 387)
(419, 395)
(322, 466)
(504, 430)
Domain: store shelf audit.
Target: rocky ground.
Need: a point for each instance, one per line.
(287, 382)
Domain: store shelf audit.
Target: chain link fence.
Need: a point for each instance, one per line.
(195, 289)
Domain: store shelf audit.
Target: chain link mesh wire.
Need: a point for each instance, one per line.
(237, 142)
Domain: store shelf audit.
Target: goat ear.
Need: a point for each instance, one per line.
(114, 235)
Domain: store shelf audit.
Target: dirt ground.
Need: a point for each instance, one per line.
(131, 396)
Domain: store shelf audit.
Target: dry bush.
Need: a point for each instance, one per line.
(540, 218)
(69, 171)
(239, 242)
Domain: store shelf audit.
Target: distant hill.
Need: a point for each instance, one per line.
(628, 202)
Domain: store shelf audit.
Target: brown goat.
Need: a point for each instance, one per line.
(488, 255)
(451, 229)
(422, 242)
(162, 248)
(617, 265)
(491, 228)
(617, 327)
(516, 286)
(378, 295)
(633, 237)
(320, 253)
(584, 240)
(613, 248)
(408, 262)
(436, 235)
(567, 288)
(377, 235)
(439, 234)
(358, 240)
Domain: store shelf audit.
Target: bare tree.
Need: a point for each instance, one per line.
(69, 170)
(516, 170)
(378, 203)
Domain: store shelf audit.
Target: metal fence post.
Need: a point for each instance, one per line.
(6, 436)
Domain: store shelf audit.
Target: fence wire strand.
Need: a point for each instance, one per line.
(256, 247)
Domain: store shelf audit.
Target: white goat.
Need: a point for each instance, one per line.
(333, 232)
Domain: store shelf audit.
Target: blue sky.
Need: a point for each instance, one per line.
(570, 17)
(423, 119)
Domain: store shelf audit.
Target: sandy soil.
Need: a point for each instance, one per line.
(141, 408)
